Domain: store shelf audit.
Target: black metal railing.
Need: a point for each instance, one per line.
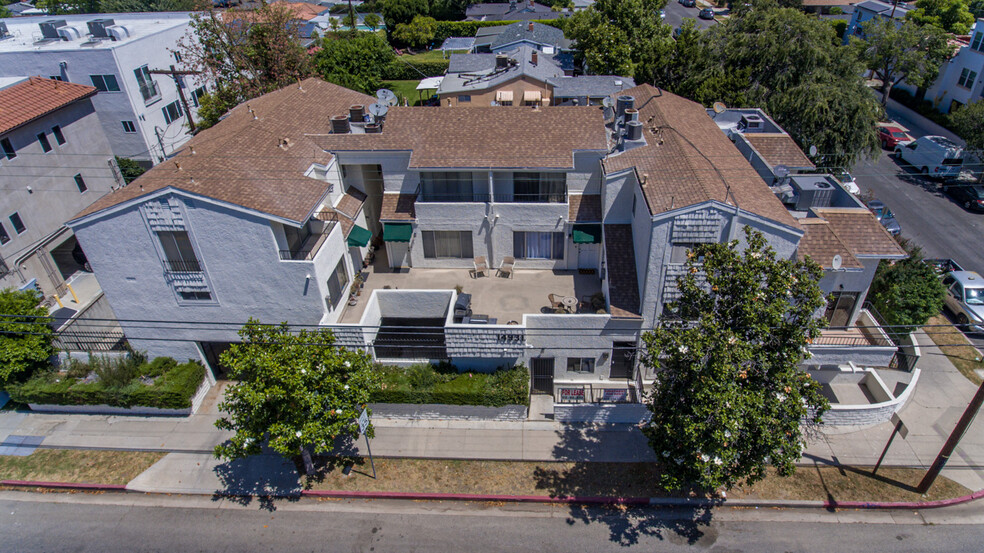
(182, 266)
(90, 340)
(539, 198)
(454, 198)
(310, 246)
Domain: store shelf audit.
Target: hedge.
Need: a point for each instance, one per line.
(424, 383)
(174, 387)
(405, 71)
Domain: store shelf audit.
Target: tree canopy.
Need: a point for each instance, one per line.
(968, 121)
(910, 51)
(953, 16)
(25, 337)
(354, 61)
(907, 292)
(403, 11)
(728, 398)
(418, 33)
(293, 390)
(620, 37)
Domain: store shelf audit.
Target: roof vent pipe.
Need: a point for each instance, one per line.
(530, 27)
(533, 58)
(357, 113)
(634, 130)
(623, 103)
(631, 114)
(340, 124)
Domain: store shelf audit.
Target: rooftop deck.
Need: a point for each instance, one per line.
(505, 299)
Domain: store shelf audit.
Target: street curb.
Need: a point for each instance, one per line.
(65, 485)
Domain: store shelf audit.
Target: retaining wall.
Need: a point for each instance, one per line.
(875, 413)
(431, 411)
(601, 413)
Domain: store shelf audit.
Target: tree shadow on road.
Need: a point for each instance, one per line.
(591, 449)
(267, 478)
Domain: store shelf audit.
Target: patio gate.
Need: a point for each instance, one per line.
(542, 369)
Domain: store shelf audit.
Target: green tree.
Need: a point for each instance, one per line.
(123, 6)
(976, 8)
(416, 34)
(4, 12)
(25, 337)
(449, 10)
(354, 62)
(129, 169)
(621, 37)
(349, 20)
(968, 121)
(293, 390)
(403, 11)
(953, 16)
(371, 20)
(686, 62)
(912, 52)
(728, 399)
(247, 52)
(59, 7)
(907, 292)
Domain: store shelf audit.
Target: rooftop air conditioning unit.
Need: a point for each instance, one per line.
(812, 191)
(97, 27)
(118, 32)
(751, 122)
(49, 29)
(69, 33)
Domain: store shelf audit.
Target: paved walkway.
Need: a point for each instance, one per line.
(939, 399)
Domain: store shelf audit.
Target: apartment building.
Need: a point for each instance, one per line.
(484, 236)
(141, 112)
(961, 79)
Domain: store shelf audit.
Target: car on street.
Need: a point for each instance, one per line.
(970, 196)
(689, 3)
(662, 14)
(885, 217)
(965, 298)
(933, 156)
(891, 136)
(847, 181)
(706, 13)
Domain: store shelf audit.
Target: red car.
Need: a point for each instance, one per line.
(891, 137)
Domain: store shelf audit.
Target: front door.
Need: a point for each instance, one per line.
(398, 254)
(542, 370)
(840, 308)
(587, 256)
(623, 360)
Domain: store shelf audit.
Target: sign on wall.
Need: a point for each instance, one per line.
(572, 395)
(615, 395)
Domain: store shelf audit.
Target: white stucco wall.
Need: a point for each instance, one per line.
(563, 336)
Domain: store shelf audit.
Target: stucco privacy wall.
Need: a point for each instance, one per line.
(625, 413)
(563, 336)
(239, 256)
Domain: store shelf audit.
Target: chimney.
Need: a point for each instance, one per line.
(533, 58)
(529, 26)
(340, 124)
(357, 113)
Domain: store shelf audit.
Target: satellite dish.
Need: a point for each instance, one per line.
(836, 262)
(378, 110)
(719, 107)
(781, 171)
(608, 102)
(386, 96)
(813, 151)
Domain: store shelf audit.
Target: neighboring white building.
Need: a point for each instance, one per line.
(870, 9)
(270, 215)
(961, 79)
(140, 112)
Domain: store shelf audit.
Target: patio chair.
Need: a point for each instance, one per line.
(506, 267)
(481, 266)
(555, 301)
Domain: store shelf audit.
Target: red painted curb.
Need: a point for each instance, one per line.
(904, 505)
(480, 497)
(64, 485)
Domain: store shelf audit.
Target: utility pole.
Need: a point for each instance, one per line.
(953, 440)
(176, 75)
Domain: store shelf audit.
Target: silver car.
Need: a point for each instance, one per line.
(965, 298)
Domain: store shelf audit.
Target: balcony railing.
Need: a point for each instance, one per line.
(183, 266)
(149, 90)
(454, 198)
(309, 248)
(540, 198)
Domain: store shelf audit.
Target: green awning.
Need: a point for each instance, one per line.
(359, 237)
(397, 232)
(587, 234)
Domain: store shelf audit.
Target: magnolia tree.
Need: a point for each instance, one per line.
(294, 390)
(728, 399)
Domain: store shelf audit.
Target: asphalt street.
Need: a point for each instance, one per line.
(131, 522)
(675, 13)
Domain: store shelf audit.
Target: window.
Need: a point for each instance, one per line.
(171, 111)
(80, 183)
(463, 98)
(538, 245)
(8, 148)
(59, 137)
(580, 364)
(978, 42)
(195, 296)
(177, 56)
(196, 95)
(148, 87)
(179, 255)
(43, 139)
(633, 204)
(448, 186)
(105, 83)
(336, 284)
(540, 187)
(15, 220)
(4, 237)
(56, 77)
(443, 244)
(129, 127)
(505, 103)
(967, 78)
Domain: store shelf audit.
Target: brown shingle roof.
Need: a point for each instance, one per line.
(688, 160)
(779, 149)
(351, 203)
(256, 157)
(584, 208)
(482, 136)
(622, 283)
(821, 244)
(398, 207)
(861, 232)
(36, 97)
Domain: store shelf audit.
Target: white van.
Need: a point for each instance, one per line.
(934, 156)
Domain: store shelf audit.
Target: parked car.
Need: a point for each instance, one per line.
(965, 298)
(847, 180)
(892, 136)
(706, 13)
(662, 14)
(885, 217)
(971, 196)
(689, 3)
(933, 156)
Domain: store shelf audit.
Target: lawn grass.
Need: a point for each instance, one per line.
(78, 465)
(430, 55)
(615, 479)
(957, 348)
(406, 89)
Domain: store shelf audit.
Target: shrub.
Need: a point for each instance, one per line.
(840, 27)
(25, 335)
(425, 383)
